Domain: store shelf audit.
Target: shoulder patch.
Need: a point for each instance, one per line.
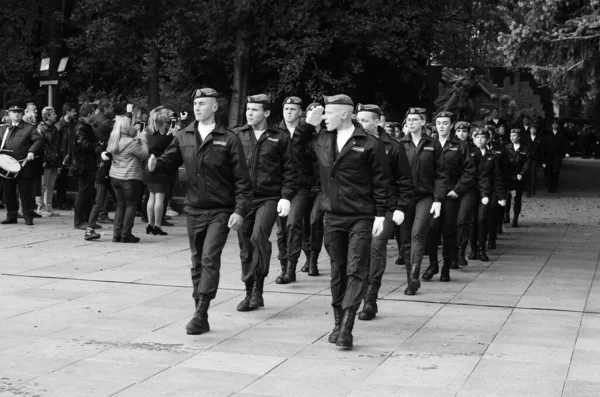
(273, 139)
(430, 148)
(454, 149)
(220, 143)
(387, 152)
(358, 149)
(498, 151)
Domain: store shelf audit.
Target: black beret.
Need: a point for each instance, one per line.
(443, 113)
(312, 106)
(369, 108)
(205, 93)
(262, 99)
(515, 130)
(481, 131)
(339, 99)
(462, 125)
(420, 111)
(292, 100)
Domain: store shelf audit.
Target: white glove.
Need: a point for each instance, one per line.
(452, 194)
(519, 176)
(30, 156)
(502, 202)
(485, 201)
(104, 156)
(398, 217)
(283, 207)
(378, 225)
(567, 155)
(436, 209)
(315, 116)
(152, 163)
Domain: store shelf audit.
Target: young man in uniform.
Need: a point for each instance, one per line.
(519, 159)
(460, 178)
(274, 175)
(429, 177)
(401, 195)
(355, 186)
(290, 230)
(219, 195)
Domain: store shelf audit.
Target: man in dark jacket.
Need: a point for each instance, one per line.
(219, 195)
(84, 166)
(401, 196)
(429, 177)
(497, 215)
(553, 150)
(103, 123)
(461, 177)
(66, 130)
(534, 143)
(290, 230)
(274, 174)
(355, 186)
(22, 142)
(520, 160)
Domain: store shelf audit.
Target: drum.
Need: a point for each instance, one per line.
(9, 167)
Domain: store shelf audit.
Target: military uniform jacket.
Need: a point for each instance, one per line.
(308, 166)
(401, 184)
(427, 167)
(489, 174)
(22, 139)
(554, 147)
(218, 176)
(271, 162)
(520, 160)
(461, 172)
(503, 158)
(535, 146)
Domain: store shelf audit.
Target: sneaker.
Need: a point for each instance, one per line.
(90, 234)
(82, 226)
(170, 212)
(45, 213)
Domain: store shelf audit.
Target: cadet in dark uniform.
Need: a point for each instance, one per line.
(496, 145)
(290, 230)
(468, 202)
(460, 178)
(355, 186)
(21, 141)
(490, 184)
(274, 175)
(219, 195)
(534, 142)
(401, 189)
(520, 160)
(429, 176)
(553, 150)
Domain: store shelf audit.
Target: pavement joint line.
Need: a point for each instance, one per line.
(579, 328)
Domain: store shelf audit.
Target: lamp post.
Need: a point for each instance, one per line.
(45, 73)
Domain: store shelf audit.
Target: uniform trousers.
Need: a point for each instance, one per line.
(313, 226)
(414, 231)
(552, 173)
(518, 187)
(532, 176)
(466, 214)
(496, 216)
(253, 238)
(290, 229)
(481, 225)
(378, 258)
(446, 225)
(207, 233)
(348, 241)
(26, 189)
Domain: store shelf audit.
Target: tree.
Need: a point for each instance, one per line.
(560, 42)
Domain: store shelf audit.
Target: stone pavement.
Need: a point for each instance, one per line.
(97, 318)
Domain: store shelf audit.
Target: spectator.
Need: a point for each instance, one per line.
(103, 123)
(66, 130)
(83, 165)
(52, 159)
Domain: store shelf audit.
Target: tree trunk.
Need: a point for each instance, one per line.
(240, 75)
(154, 58)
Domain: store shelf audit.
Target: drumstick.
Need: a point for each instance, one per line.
(25, 160)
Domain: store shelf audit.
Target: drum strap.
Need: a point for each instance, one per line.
(6, 134)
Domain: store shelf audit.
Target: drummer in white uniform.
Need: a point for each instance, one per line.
(22, 142)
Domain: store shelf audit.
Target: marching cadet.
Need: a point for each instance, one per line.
(460, 178)
(468, 202)
(355, 192)
(401, 188)
(496, 145)
(520, 161)
(490, 185)
(428, 175)
(219, 195)
(534, 142)
(274, 175)
(290, 230)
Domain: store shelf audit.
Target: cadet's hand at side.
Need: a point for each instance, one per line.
(398, 217)
(436, 209)
(378, 225)
(452, 194)
(283, 207)
(502, 202)
(485, 201)
(235, 221)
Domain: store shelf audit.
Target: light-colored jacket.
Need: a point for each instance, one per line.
(127, 161)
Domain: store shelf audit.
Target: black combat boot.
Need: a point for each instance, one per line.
(199, 323)
(461, 260)
(304, 268)
(413, 280)
(244, 305)
(474, 251)
(290, 273)
(256, 300)
(434, 267)
(279, 279)
(482, 255)
(345, 338)
(400, 260)
(337, 315)
(313, 268)
(370, 305)
(445, 276)
(491, 245)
